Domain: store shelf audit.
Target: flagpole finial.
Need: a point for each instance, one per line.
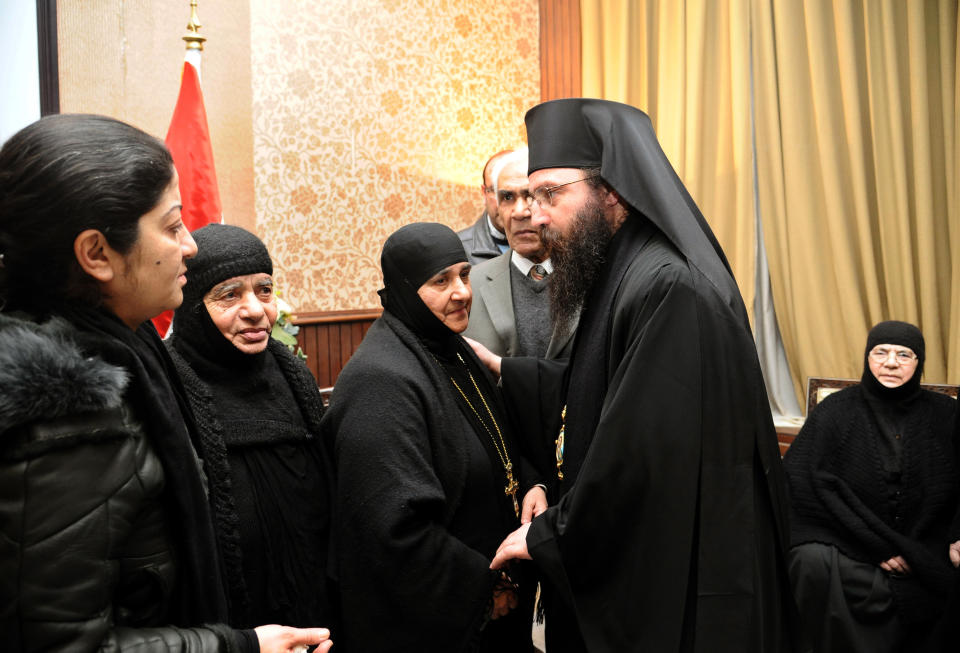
(192, 37)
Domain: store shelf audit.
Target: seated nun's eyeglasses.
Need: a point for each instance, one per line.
(544, 196)
(903, 356)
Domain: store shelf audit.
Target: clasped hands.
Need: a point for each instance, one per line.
(898, 565)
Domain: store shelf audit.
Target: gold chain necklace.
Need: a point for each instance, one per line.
(512, 486)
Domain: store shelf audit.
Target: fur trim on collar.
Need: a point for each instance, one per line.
(45, 375)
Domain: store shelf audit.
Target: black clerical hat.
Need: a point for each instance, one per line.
(586, 133)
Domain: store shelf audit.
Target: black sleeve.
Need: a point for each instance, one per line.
(533, 391)
(67, 511)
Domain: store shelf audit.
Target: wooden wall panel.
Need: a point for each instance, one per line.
(330, 338)
(320, 366)
(559, 49)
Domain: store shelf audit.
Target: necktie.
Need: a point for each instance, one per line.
(538, 272)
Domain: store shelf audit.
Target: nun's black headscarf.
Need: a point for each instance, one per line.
(223, 251)
(411, 255)
(893, 332)
(619, 139)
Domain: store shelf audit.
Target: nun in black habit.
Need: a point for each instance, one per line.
(258, 413)
(428, 478)
(670, 526)
(874, 495)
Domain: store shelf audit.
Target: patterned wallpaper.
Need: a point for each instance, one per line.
(368, 114)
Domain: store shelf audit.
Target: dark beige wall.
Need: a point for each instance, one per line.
(333, 123)
(123, 58)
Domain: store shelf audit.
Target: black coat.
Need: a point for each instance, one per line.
(671, 528)
(270, 481)
(89, 556)
(420, 508)
(840, 495)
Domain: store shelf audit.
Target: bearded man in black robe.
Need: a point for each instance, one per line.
(669, 523)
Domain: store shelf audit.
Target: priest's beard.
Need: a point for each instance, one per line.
(577, 259)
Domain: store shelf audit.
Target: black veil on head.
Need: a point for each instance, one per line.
(223, 252)
(411, 255)
(894, 332)
(587, 133)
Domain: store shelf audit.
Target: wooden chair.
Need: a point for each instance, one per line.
(818, 388)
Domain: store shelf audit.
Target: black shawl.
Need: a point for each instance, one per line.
(258, 421)
(158, 401)
(415, 525)
(411, 255)
(421, 507)
(839, 493)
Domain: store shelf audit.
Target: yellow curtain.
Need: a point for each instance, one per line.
(687, 65)
(857, 141)
(857, 180)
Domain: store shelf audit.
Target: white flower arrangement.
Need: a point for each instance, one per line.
(284, 330)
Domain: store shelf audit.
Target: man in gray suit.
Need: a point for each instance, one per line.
(511, 304)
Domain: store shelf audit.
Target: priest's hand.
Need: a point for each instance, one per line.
(514, 547)
(285, 639)
(487, 357)
(954, 553)
(534, 502)
(896, 565)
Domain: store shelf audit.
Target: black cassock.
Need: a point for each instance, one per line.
(670, 530)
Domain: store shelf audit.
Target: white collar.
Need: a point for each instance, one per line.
(496, 233)
(524, 264)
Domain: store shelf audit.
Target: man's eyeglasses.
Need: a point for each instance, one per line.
(903, 356)
(510, 197)
(544, 196)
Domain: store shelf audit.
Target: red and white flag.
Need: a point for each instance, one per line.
(188, 140)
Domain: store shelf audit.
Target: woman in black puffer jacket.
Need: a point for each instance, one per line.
(105, 533)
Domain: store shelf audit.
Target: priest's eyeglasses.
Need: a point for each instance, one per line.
(544, 196)
(902, 356)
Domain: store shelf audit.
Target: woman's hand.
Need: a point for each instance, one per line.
(534, 503)
(487, 357)
(285, 639)
(896, 565)
(504, 598)
(955, 553)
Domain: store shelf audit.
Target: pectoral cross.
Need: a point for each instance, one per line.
(511, 489)
(559, 442)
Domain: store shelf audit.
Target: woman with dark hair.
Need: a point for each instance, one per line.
(428, 478)
(105, 532)
(874, 497)
(258, 414)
